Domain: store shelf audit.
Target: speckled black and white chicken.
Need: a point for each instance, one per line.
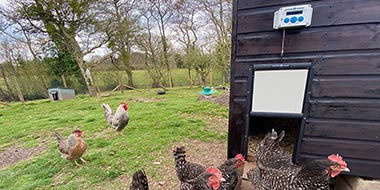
(269, 153)
(275, 171)
(139, 181)
(232, 170)
(185, 170)
(210, 179)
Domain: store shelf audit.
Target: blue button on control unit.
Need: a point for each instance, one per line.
(286, 20)
(293, 19)
(301, 18)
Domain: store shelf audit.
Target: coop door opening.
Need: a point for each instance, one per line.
(55, 95)
(260, 126)
(278, 99)
(279, 91)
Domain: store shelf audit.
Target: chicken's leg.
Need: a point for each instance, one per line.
(83, 161)
(76, 163)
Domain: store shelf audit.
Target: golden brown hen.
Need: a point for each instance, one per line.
(73, 147)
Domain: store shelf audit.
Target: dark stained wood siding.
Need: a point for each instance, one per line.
(331, 14)
(310, 40)
(343, 44)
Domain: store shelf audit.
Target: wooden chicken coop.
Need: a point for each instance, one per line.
(323, 74)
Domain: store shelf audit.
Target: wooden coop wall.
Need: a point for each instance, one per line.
(343, 43)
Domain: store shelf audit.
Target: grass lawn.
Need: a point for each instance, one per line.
(156, 123)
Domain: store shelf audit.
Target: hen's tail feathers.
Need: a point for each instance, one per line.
(139, 181)
(273, 137)
(107, 109)
(58, 136)
(254, 176)
(280, 137)
(179, 153)
(61, 143)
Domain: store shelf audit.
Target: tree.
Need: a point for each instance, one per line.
(12, 55)
(187, 32)
(121, 26)
(71, 25)
(203, 63)
(62, 64)
(9, 94)
(149, 44)
(161, 12)
(220, 14)
(22, 68)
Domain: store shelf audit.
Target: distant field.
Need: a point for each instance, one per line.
(156, 123)
(106, 80)
(142, 80)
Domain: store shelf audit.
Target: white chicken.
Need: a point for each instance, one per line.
(119, 119)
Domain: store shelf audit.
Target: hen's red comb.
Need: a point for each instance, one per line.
(338, 159)
(215, 171)
(125, 105)
(240, 157)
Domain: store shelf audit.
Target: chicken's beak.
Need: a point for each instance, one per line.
(346, 170)
(222, 180)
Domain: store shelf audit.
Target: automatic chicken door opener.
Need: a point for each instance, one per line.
(292, 17)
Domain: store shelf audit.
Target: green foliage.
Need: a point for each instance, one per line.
(179, 60)
(62, 63)
(154, 125)
(31, 76)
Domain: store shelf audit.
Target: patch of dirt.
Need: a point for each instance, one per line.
(223, 99)
(206, 153)
(14, 154)
(145, 100)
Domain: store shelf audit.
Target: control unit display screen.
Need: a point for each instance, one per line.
(294, 13)
(293, 17)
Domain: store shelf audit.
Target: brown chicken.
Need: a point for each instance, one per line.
(275, 171)
(232, 170)
(119, 119)
(139, 181)
(73, 147)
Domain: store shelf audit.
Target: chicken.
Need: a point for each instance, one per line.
(139, 181)
(185, 170)
(270, 154)
(275, 171)
(119, 119)
(209, 179)
(231, 171)
(73, 147)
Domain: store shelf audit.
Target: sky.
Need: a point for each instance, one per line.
(202, 36)
(3, 3)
